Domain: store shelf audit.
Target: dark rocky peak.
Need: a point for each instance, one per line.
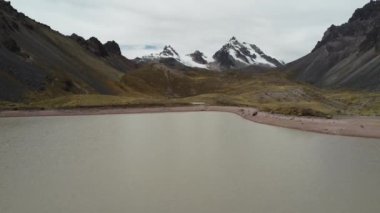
(368, 12)
(331, 34)
(94, 41)
(96, 47)
(233, 40)
(9, 18)
(5, 6)
(112, 48)
(232, 43)
(169, 52)
(79, 39)
(235, 43)
(198, 57)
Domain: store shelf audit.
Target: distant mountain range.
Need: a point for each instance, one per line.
(233, 55)
(171, 57)
(37, 62)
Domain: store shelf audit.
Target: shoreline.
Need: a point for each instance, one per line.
(353, 126)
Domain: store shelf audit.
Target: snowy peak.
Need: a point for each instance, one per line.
(169, 52)
(235, 54)
(233, 39)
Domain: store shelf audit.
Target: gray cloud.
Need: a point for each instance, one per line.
(285, 29)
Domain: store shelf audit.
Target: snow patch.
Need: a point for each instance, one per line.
(188, 61)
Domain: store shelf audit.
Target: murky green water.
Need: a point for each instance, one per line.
(181, 163)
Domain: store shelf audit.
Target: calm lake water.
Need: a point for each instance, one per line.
(181, 163)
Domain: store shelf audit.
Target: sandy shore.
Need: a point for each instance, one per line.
(355, 126)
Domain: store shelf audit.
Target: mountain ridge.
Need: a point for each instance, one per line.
(348, 56)
(232, 56)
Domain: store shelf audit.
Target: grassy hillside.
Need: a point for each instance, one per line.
(158, 85)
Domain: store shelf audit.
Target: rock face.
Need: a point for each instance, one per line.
(96, 47)
(112, 48)
(198, 57)
(236, 55)
(348, 56)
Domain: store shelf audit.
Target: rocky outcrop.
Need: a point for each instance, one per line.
(79, 39)
(112, 48)
(198, 57)
(96, 47)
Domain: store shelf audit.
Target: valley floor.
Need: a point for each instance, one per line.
(345, 126)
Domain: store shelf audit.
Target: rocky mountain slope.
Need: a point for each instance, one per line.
(348, 56)
(35, 59)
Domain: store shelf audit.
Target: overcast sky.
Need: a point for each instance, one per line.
(286, 30)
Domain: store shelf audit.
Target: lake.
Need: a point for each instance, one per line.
(203, 162)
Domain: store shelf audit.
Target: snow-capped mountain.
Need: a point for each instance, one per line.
(235, 54)
(169, 54)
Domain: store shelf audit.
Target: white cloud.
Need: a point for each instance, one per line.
(285, 29)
